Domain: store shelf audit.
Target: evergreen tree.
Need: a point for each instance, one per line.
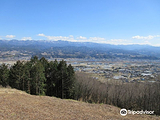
(61, 76)
(16, 75)
(70, 82)
(4, 74)
(38, 79)
(34, 60)
(45, 64)
(51, 78)
(27, 77)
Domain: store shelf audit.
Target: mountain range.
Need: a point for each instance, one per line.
(66, 49)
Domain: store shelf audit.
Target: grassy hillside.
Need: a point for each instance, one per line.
(17, 105)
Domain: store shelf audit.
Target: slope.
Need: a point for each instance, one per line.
(18, 105)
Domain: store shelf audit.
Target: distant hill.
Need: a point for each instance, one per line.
(18, 105)
(66, 49)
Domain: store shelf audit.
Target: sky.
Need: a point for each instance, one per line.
(101, 21)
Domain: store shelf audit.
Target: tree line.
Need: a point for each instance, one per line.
(40, 77)
(131, 96)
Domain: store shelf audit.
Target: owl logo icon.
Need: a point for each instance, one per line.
(123, 112)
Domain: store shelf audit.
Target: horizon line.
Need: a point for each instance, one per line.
(82, 42)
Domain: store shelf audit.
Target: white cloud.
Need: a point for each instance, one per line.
(26, 38)
(146, 38)
(90, 39)
(81, 38)
(118, 42)
(41, 35)
(71, 38)
(126, 42)
(57, 38)
(100, 39)
(97, 39)
(10, 36)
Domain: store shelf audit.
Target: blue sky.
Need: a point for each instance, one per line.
(101, 21)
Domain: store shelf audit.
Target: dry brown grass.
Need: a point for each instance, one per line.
(18, 105)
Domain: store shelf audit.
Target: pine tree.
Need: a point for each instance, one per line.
(61, 79)
(4, 75)
(38, 78)
(16, 75)
(34, 60)
(70, 84)
(45, 64)
(51, 78)
(27, 76)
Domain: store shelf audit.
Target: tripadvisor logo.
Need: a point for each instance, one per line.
(124, 112)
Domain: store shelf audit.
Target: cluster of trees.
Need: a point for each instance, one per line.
(40, 77)
(131, 96)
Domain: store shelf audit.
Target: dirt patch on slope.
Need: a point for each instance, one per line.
(18, 105)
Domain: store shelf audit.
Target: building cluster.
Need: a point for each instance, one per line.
(126, 71)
